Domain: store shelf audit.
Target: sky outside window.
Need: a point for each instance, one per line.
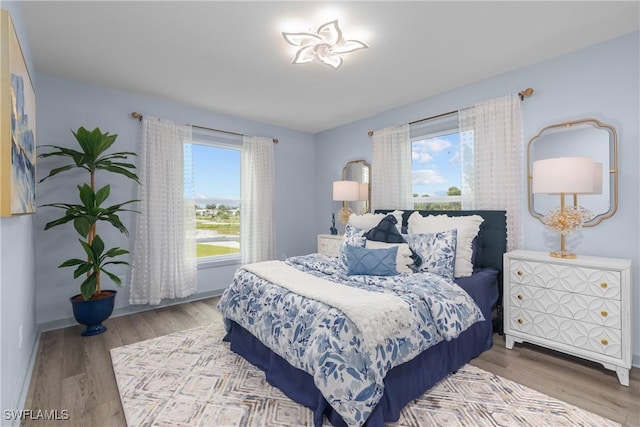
(216, 174)
(435, 164)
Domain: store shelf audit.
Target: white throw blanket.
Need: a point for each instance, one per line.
(377, 315)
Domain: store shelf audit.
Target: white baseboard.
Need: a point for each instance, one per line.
(26, 381)
(130, 309)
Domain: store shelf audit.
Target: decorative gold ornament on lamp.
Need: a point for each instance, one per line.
(562, 175)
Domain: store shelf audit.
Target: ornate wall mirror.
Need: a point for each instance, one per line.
(584, 138)
(360, 171)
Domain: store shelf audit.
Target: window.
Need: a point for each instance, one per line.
(436, 164)
(216, 182)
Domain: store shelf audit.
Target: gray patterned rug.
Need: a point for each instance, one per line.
(191, 378)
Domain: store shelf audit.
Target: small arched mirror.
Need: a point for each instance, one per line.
(359, 171)
(584, 138)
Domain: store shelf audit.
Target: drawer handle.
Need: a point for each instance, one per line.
(520, 321)
(603, 285)
(519, 272)
(604, 341)
(604, 313)
(519, 296)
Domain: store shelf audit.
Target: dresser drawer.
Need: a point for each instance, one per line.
(569, 332)
(567, 278)
(583, 308)
(329, 244)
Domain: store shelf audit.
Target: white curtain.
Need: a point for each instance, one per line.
(491, 149)
(164, 254)
(257, 235)
(391, 169)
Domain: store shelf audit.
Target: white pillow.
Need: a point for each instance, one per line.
(369, 220)
(403, 258)
(365, 221)
(467, 228)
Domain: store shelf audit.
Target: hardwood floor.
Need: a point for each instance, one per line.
(74, 373)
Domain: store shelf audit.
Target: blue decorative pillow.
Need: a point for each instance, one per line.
(353, 236)
(371, 262)
(437, 251)
(386, 231)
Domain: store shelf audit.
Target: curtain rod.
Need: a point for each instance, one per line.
(527, 92)
(139, 116)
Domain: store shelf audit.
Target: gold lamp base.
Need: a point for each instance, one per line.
(344, 214)
(563, 254)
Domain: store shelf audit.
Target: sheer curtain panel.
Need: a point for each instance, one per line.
(164, 254)
(391, 169)
(257, 235)
(491, 149)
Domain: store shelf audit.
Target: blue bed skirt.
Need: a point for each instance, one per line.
(403, 383)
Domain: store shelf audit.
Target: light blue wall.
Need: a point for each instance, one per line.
(64, 105)
(18, 331)
(599, 82)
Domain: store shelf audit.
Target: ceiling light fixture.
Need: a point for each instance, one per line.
(326, 45)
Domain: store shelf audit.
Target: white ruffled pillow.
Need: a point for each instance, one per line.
(368, 221)
(403, 257)
(467, 228)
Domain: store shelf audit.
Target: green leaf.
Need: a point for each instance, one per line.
(72, 262)
(62, 151)
(113, 277)
(82, 225)
(122, 171)
(115, 221)
(88, 287)
(116, 262)
(62, 220)
(114, 252)
(82, 269)
(89, 251)
(102, 194)
(87, 196)
(98, 246)
(57, 171)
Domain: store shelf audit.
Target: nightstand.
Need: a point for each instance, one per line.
(577, 306)
(329, 244)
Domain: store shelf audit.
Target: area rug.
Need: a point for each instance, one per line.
(191, 378)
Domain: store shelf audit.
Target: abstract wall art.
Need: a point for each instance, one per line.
(17, 126)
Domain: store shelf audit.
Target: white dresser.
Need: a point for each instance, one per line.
(577, 306)
(329, 244)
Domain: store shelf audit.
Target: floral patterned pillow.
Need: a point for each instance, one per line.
(437, 251)
(353, 236)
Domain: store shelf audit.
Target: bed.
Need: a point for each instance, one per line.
(357, 380)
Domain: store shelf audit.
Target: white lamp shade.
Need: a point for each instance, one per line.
(346, 191)
(364, 191)
(563, 175)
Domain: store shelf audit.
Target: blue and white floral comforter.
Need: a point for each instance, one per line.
(321, 341)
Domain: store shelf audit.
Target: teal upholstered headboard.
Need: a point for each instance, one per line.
(492, 241)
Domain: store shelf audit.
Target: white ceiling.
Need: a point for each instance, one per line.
(230, 57)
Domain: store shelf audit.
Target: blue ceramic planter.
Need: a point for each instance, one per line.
(93, 312)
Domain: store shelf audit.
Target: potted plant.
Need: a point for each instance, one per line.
(92, 305)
